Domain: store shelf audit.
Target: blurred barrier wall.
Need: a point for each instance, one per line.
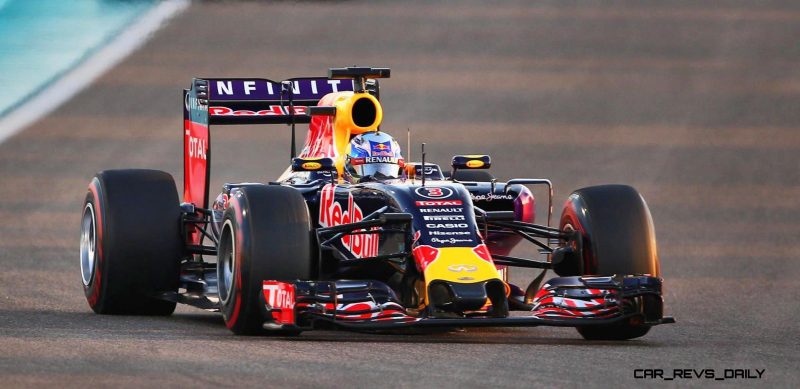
(42, 39)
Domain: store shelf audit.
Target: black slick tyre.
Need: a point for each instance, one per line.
(266, 235)
(618, 238)
(131, 246)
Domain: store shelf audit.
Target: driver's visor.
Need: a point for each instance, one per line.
(368, 169)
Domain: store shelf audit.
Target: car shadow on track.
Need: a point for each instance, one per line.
(202, 325)
(500, 336)
(78, 324)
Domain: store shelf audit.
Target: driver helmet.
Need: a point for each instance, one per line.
(373, 156)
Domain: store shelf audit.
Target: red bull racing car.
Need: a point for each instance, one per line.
(354, 236)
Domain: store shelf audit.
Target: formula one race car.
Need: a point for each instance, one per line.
(353, 236)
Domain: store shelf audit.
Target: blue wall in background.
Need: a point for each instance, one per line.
(42, 39)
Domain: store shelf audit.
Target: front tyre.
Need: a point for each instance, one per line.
(618, 238)
(130, 244)
(266, 235)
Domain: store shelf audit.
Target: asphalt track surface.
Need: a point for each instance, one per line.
(697, 107)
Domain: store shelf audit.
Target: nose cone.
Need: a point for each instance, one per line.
(459, 298)
(452, 297)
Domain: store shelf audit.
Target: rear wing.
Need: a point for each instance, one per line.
(211, 101)
(256, 100)
(242, 101)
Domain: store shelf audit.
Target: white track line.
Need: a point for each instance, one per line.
(80, 77)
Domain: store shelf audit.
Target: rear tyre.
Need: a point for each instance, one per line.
(473, 175)
(131, 247)
(266, 235)
(618, 238)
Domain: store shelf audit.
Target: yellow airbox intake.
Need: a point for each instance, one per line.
(357, 113)
(349, 113)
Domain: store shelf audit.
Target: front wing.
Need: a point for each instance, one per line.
(373, 305)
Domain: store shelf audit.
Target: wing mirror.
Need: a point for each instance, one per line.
(470, 162)
(313, 164)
